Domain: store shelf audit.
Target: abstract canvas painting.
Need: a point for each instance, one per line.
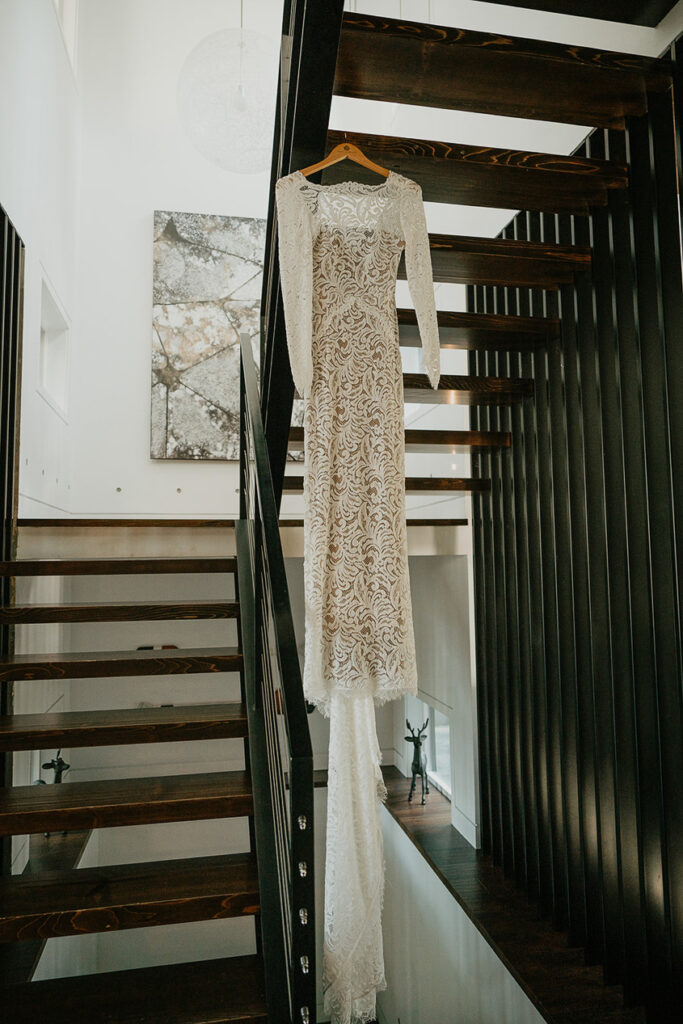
(207, 290)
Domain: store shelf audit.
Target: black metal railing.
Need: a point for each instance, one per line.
(280, 752)
(310, 38)
(11, 315)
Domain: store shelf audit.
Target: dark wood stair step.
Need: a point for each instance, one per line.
(443, 522)
(463, 390)
(485, 331)
(128, 611)
(432, 441)
(78, 523)
(456, 389)
(114, 566)
(424, 484)
(96, 664)
(79, 805)
(60, 852)
(225, 991)
(113, 898)
(483, 176)
(435, 66)
(469, 259)
(122, 726)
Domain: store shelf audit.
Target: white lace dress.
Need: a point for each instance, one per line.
(339, 248)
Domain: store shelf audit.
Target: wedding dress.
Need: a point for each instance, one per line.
(339, 248)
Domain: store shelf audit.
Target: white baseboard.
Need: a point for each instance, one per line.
(465, 826)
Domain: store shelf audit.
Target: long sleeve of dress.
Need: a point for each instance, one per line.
(419, 274)
(296, 276)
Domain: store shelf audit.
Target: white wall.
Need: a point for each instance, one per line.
(39, 178)
(136, 159)
(438, 966)
(441, 616)
(39, 181)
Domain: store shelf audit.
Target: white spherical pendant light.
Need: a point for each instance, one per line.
(226, 98)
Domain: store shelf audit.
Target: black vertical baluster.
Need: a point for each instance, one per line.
(524, 736)
(536, 413)
(304, 112)
(501, 627)
(493, 626)
(658, 331)
(616, 732)
(668, 251)
(562, 498)
(555, 755)
(606, 940)
(660, 547)
(571, 328)
(507, 368)
(479, 504)
(11, 311)
(528, 440)
(629, 572)
(486, 701)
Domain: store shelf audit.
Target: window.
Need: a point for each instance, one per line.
(439, 762)
(54, 339)
(436, 743)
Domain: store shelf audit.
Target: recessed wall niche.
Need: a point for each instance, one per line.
(54, 352)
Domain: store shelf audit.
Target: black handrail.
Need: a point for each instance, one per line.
(310, 38)
(280, 751)
(12, 256)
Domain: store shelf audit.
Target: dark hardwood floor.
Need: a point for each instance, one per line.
(553, 974)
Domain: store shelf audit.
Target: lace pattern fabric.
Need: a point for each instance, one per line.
(353, 962)
(339, 248)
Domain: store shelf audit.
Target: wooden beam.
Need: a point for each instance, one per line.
(437, 66)
(431, 441)
(77, 805)
(467, 259)
(122, 726)
(295, 484)
(484, 176)
(485, 331)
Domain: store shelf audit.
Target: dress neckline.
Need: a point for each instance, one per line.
(346, 184)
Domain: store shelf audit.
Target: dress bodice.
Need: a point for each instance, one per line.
(340, 245)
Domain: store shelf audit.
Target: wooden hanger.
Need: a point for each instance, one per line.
(346, 151)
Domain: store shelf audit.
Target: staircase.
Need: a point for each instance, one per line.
(79, 901)
(529, 294)
(521, 292)
(378, 58)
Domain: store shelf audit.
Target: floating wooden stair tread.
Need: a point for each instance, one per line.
(434, 66)
(482, 330)
(128, 725)
(114, 566)
(73, 521)
(483, 176)
(128, 611)
(468, 259)
(88, 900)
(455, 389)
(84, 665)
(448, 523)
(226, 991)
(462, 390)
(295, 484)
(432, 441)
(78, 805)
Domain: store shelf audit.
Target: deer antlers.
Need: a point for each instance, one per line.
(416, 735)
